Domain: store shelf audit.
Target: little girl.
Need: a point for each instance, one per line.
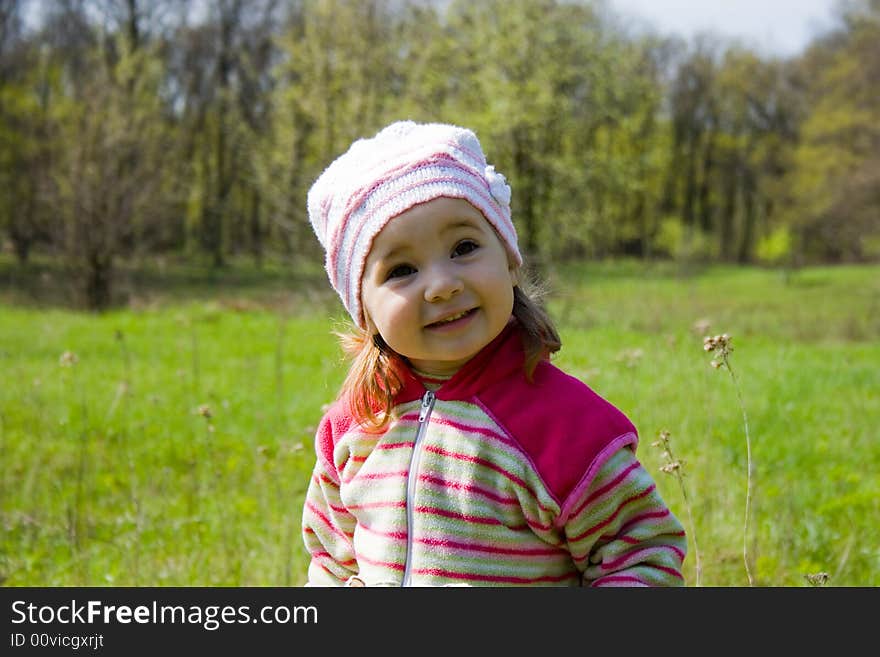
(456, 453)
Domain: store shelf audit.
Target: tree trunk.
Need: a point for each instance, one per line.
(690, 190)
(22, 246)
(526, 209)
(21, 232)
(98, 282)
(256, 230)
(704, 201)
(728, 216)
(744, 253)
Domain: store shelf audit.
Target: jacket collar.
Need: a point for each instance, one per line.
(497, 360)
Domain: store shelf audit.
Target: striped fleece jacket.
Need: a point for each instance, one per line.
(489, 480)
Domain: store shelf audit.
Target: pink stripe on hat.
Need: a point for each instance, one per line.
(403, 165)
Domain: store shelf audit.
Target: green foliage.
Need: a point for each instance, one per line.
(775, 248)
(836, 172)
(201, 134)
(682, 244)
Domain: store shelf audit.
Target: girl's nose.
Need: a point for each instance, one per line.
(442, 284)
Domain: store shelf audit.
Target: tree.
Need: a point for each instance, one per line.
(23, 97)
(336, 81)
(114, 179)
(836, 173)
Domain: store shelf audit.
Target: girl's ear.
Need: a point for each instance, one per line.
(371, 327)
(514, 273)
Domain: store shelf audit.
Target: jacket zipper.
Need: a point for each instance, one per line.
(412, 479)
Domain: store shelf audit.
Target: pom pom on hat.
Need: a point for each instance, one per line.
(403, 165)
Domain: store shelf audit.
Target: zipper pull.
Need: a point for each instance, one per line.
(427, 403)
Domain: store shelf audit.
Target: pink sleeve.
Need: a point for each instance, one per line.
(327, 526)
(619, 530)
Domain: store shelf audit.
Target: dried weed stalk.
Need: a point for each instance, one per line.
(721, 347)
(675, 467)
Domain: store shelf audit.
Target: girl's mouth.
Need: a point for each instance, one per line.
(452, 320)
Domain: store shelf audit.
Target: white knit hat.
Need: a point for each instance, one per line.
(404, 165)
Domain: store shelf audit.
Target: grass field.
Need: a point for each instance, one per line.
(170, 443)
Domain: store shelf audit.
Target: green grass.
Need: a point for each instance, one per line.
(112, 476)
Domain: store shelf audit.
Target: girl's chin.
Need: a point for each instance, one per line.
(439, 368)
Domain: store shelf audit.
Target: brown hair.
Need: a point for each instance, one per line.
(374, 377)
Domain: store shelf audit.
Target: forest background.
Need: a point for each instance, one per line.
(155, 157)
(131, 129)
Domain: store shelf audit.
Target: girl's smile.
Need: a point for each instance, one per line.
(452, 322)
(438, 284)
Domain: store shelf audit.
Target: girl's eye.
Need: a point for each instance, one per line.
(400, 271)
(464, 247)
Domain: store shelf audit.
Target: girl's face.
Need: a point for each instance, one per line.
(438, 284)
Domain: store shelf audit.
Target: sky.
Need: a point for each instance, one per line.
(775, 27)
